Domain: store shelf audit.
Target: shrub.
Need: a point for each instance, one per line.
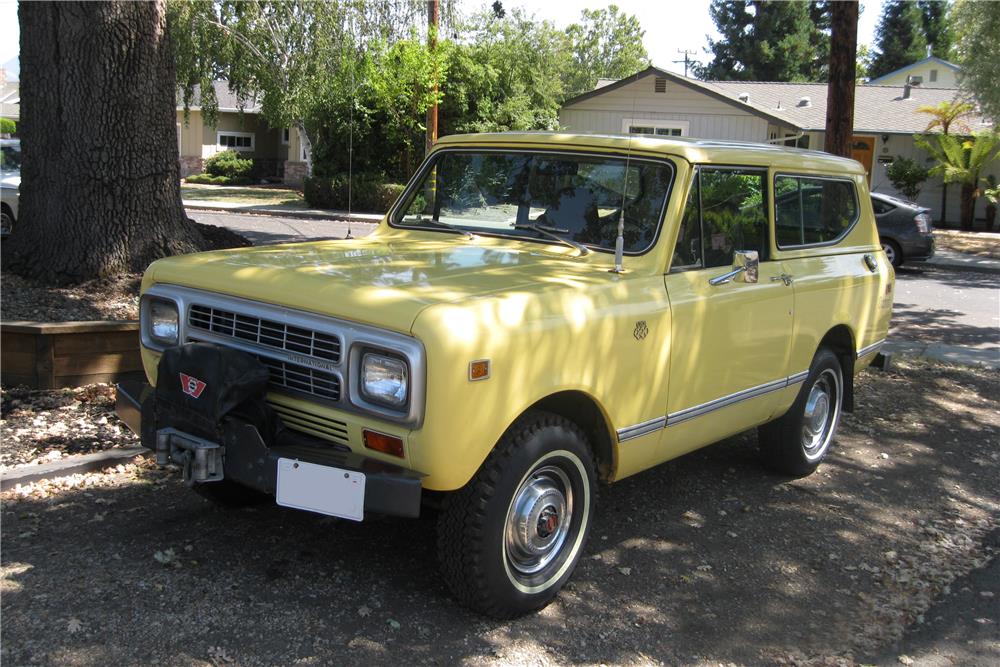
(369, 193)
(208, 179)
(907, 176)
(229, 163)
(7, 126)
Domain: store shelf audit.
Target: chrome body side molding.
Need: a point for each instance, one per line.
(652, 425)
(874, 347)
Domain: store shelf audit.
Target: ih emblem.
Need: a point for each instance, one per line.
(191, 386)
(640, 330)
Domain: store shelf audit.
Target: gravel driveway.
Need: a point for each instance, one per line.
(704, 560)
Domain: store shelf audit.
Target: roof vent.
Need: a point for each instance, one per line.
(805, 101)
(660, 85)
(744, 97)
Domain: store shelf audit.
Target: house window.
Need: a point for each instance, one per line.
(933, 75)
(659, 128)
(660, 85)
(284, 137)
(237, 141)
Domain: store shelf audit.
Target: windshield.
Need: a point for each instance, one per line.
(578, 197)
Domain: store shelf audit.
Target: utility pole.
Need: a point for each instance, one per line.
(433, 15)
(687, 60)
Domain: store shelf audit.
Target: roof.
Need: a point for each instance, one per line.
(907, 68)
(692, 150)
(877, 109)
(228, 101)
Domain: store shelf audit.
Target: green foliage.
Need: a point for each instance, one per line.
(937, 26)
(899, 38)
(604, 44)
(209, 179)
(7, 126)
(946, 114)
(907, 176)
(768, 41)
(976, 27)
(370, 193)
(962, 160)
(229, 163)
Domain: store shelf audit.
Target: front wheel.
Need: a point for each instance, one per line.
(511, 537)
(797, 442)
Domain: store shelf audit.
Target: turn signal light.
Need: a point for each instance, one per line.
(380, 442)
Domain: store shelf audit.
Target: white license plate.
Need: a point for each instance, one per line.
(323, 489)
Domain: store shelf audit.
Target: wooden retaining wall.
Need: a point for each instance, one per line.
(49, 355)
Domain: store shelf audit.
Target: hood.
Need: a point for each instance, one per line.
(11, 179)
(383, 282)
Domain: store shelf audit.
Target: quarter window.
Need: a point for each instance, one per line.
(809, 211)
(726, 212)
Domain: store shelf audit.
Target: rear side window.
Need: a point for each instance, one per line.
(726, 212)
(811, 211)
(882, 207)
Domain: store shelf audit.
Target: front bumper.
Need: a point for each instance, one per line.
(389, 489)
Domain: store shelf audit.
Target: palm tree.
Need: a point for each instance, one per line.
(944, 115)
(962, 160)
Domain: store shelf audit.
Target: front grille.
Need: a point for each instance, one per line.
(297, 419)
(293, 377)
(267, 333)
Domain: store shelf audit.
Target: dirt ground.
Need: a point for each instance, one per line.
(982, 244)
(706, 560)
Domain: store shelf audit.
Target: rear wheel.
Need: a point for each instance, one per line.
(797, 442)
(893, 253)
(510, 538)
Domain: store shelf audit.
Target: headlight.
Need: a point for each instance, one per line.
(384, 380)
(163, 321)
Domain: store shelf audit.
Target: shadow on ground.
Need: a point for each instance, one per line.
(705, 558)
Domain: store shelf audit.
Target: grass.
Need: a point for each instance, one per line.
(247, 195)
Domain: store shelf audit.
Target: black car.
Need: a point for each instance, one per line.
(904, 228)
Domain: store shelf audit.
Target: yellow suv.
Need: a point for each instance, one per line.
(537, 313)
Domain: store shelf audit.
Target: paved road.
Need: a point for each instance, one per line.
(932, 305)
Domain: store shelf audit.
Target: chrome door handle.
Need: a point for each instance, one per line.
(784, 277)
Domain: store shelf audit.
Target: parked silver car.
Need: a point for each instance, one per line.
(10, 183)
(904, 228)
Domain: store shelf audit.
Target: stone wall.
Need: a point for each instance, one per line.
(295, 173)
(191, 164)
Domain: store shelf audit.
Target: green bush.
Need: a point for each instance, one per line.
(229, 163)
(369, 193)
(208, 179)
(7, 126)
(907, 176)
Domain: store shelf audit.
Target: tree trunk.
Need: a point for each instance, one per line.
(843, 70)
(100, 193)
(944, 203)
(307, 147)
(968, 205)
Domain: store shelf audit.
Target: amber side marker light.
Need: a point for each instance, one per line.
(479, 370)
(380, 442)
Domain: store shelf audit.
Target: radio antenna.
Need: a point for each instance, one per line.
(620, 240)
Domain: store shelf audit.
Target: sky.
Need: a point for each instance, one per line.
(670, 25)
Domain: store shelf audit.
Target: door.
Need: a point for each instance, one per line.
(730, 342)
(863, 150)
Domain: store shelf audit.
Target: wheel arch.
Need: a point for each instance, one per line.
(584, 411)
(841, 339)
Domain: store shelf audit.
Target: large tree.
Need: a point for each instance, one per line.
(605, 44)
(764, 40)
(843, 72)
(100, 193)
(899, 37)
(937, 26)
(976, 25)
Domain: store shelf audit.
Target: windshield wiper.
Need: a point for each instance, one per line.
(443, 225)
(553, 233)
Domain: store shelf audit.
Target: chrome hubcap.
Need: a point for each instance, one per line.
(890, 253)
(538, 520)
(822, 411)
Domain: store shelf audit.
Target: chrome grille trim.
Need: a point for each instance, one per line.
(265, 332)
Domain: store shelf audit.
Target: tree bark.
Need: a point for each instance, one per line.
(843, 69)
(968, 205)
(100, 193)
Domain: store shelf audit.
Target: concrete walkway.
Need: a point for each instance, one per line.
(952, 354)
(951, 259)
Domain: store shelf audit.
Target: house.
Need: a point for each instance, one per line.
(932, 72)
(10, 95)
(239, 127)
(659, 102)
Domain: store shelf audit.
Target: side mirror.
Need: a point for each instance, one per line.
(749, 262)
(746, 268)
